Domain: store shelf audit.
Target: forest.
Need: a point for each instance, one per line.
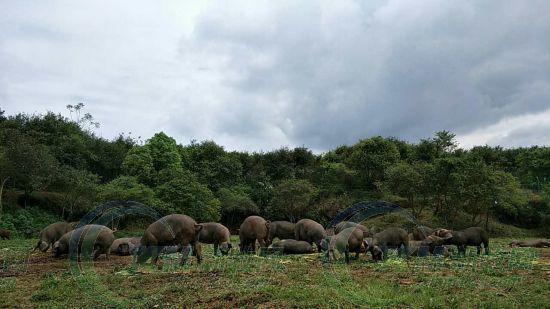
(55, 167)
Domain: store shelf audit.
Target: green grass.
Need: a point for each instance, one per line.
(505, 278)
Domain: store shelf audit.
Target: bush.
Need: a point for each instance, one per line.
(32, 218)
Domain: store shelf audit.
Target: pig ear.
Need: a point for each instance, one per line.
(198, 227)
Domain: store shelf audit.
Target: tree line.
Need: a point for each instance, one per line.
(54, 162)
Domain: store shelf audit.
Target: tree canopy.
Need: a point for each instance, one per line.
(52, 154)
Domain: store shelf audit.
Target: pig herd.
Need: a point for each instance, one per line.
(181, 233)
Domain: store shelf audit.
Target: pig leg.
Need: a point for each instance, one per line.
(216, 249)
(197, 252)
(262, 243)
(155, 250)
(107, 251)
(346, 255)
(478, 249)
(462, 249)
(96, 254)
(184, 254)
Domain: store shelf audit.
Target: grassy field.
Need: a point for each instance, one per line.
(505, 278)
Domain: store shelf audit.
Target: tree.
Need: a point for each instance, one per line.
(188, 196)
(236, 205)
(545, 194)
(509, 198)
(478, 189)
(335, 178)
(371, 157)
(445, 141)
(28, 164)
(79, 188)
(212, 164)
(126, 188)
(139, 163)
(534, 167)
(106, 157)
(443, 169)
(292, 199)
(3, 178)
(442, 144)
(164, 151)
(411, 181)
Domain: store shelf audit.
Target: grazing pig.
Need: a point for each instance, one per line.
(376, 252)
(348, 240)
(217, 234)
(536, 243)
(281, 230)
(472, 236)
(346, 224)
(429, 247)
(52, 233)
(392, 237)
(172, 230)
(421, 232)
(310, 231)
(99, 237)
(292, 246)
(5, 234)
(253, 228)
(434, 243)
(125, 246)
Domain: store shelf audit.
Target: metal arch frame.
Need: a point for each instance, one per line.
(365, 210)
(103, 215)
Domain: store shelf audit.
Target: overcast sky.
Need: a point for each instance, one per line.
(260, 75)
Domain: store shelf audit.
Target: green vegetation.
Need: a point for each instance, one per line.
(506, 278)
(58, 167)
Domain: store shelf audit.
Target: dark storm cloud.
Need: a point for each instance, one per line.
(267, 74)
(402, 68)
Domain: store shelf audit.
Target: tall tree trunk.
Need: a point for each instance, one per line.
(25, 199)
(1, 193)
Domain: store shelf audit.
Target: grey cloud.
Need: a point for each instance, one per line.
(262, 75)
(403, 68)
